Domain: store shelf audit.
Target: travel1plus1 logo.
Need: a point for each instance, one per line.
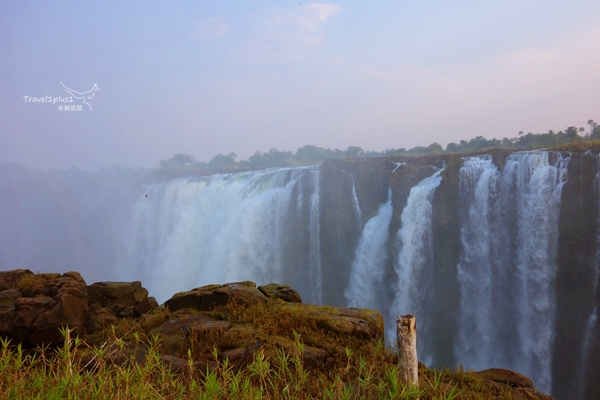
(73, 101)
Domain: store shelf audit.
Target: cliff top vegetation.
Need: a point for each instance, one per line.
(572, 138)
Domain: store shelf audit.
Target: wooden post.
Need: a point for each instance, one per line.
(408, 363)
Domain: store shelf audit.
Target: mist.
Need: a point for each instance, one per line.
(66, 220)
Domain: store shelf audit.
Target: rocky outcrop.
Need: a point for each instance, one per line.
(206, 298)
(35, 308)
(236, 322)
(109, 301)
(283, 292)
(521, 387)
(42, 305)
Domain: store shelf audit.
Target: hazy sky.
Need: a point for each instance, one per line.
(208, 77)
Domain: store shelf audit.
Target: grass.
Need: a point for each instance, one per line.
(355, 368)
(64, 373)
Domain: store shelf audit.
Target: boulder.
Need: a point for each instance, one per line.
(34, 308)
(312, 357)
(8, 297)
(11, 279)
(183, 326)
(206, 298)
(283, 292)
(506, 377)
(232, 355)
(70, 309)
(124, 299)
(342, 321)
(99, 319)
(27, 310)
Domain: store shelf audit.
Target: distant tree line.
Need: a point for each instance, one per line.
(185, 163)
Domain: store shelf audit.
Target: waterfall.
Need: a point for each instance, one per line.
(315, 241)
(477, 188)
(262, 226)
(509, 263)
(414, 265)
(367, 270)
(355, 202)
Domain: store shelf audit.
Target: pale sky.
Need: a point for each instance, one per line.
(208, 77)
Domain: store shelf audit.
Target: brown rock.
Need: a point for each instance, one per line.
(248, 284)
(506, 377)
(7, 316)
(176, 365)
(364, 324)
(183, 300)
(208, 297)
(184, 325)
(248, 356)
(120, 297)
(242, 293)
(8, 297)
(145, 306)
(27, 310)
(529, 393)
(10, 279)
(100, 319)
(312, 357)
(283, 292)
(212, 299)
(70, 309)
(233, 355)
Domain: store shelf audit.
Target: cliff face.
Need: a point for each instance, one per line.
(569, 266)
(576, 350)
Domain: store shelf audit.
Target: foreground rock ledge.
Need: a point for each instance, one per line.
(235, 319)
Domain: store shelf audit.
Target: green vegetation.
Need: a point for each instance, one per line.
(186, 164)
(89, 368)
(67, 373)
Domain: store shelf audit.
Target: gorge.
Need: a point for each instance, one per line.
(496, 254)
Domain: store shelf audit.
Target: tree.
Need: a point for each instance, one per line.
(221, 160)
(571, 133)
(435, 149)
(354, 151)
(178, 160)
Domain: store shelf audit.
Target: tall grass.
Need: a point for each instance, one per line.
(78, 371)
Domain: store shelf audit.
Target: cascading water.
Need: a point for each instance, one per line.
(414, 265)
(262, 226)
(367, 269)
(498, 226)
(514, 278)
(477, 188)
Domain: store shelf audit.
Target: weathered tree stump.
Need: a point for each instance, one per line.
(408, 363)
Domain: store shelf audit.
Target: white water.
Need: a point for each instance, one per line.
(513, 280)
(259, 225)
(413, 267)
(195, 231)
(477, 186)
(367, 269)
(315, 273)
(355, 202)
